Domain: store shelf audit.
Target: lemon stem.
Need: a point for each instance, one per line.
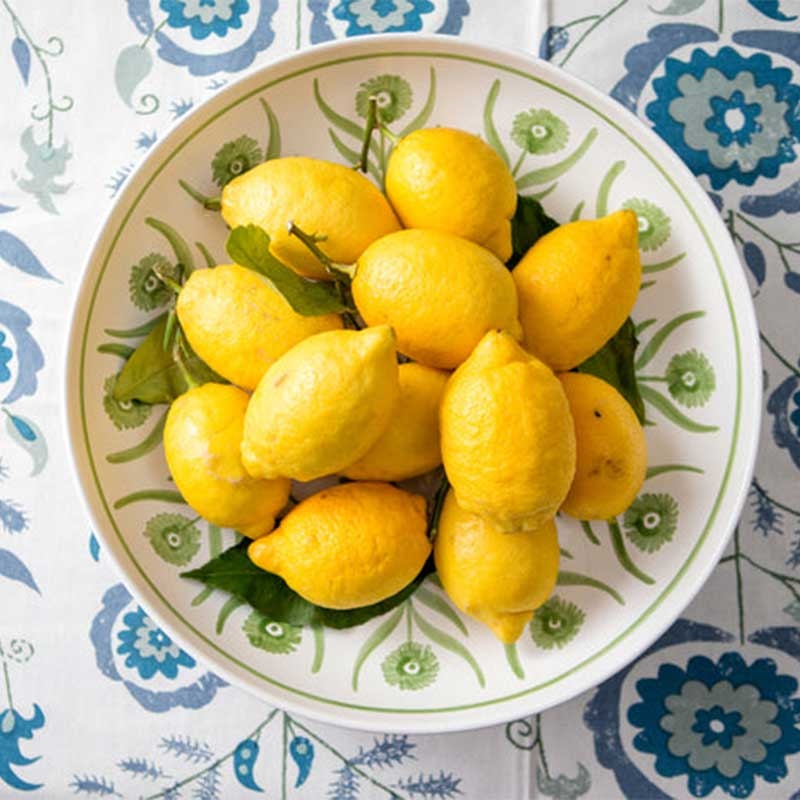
(436, 511)
(209, 203)
(338, 271)
(179, 354)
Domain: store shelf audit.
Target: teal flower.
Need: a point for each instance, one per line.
(174, 537)
(556, 623)
(729, 117)
(392, 93)
(235, 158)
(148, 649)
(654, 224)
(539, 131)
(204, 17)
(124, 415)
(145, 288)
(411, 666)
(272, 636)
(651, 521)
(690, 378)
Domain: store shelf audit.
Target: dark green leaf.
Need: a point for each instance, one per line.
(248, 246)
(529, 224)
(234, 572)
(152, 376)
(614, 364)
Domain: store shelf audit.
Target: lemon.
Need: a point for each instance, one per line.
(500, 579)
(239, 324)
(508, 442)
(320, 197)
(611, 449)
(439, 292)
(452, 181)
(576, 287)
(410, 444)
(349, 546)
(322, 405)
(202, 437)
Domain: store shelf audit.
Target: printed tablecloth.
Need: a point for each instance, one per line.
(711, 709)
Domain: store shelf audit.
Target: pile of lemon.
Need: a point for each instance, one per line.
(484, 386)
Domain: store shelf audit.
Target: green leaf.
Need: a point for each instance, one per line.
(152, 376)
(425, 112)
(489, 130)
(672, 413)
(529, 224)
(512, 656)
(376, 639)
(248, 246)
(183, 255)
(662, 334)
(147, 445)
(443, 639)
(273, 149)
(235, 573)
(567, 578)
(441, 606)
(550, 173)
(614, 363)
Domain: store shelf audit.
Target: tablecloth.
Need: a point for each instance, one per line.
(711, 709)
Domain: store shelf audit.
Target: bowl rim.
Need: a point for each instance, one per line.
(611, 657)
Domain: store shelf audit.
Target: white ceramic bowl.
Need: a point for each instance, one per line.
(583, 154)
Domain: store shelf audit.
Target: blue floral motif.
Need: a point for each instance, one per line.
(13, 728)
(148, 649)
(204, 17)
(784, 406)
(721, 724)
(148, 654)
(29, 358)
(5, 359)
(207, 16)
(382, 16)
(727, 116)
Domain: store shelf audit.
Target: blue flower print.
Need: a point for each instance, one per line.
(142, 657)
(148, 649)
(784, 406)
(731, 126)
(26, 356)
(382, 16)
(204, 17)
(222, 52)
(728, 117)
(5, 359)
(721, 724)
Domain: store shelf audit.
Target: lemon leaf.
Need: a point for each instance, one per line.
(614, 363)
(248, 246)
(528, 225)
(234, 572)
(151, 375)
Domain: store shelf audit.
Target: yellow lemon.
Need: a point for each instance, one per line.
(410, 444)
(349, 546)
(508, 442)
(239, 324)
(498, 578)
(611, 449)
(202, 438)
(321, 405)
(439, 292)
(321, 198)
(576, 287)
(452, 181)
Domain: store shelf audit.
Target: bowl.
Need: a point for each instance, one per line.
(622, 582)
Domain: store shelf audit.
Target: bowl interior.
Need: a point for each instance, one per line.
(429, 668)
